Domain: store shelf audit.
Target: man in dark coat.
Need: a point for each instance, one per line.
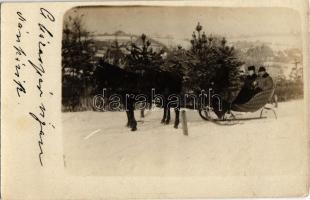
(248, 89)
(264, 81)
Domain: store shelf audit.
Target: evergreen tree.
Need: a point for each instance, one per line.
(114, 54)
(218, 66)
(142, 57)
(77, 48)
(181, 62)
(77, 63)
(227, 78)
(203, 47)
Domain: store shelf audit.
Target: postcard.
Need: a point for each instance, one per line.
(154, 99)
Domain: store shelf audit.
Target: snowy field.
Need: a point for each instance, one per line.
(98, 143)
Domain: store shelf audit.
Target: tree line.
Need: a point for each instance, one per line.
(209, 63)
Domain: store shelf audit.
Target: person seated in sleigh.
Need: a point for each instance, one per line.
(253, 84)
(264, 81)
(249, 88)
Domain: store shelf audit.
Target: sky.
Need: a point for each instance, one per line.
(179, 22)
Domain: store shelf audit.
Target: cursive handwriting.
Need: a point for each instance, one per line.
(19, 55)
(33, 60)
(41, 123)
(44, 39)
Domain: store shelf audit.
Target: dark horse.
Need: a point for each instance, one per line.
(130, 85)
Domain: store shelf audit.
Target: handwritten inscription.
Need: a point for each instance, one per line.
(19, 55)
(44, 39)
(26, 61)
(40, 120)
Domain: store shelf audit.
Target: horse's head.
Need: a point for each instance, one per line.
(112, 76)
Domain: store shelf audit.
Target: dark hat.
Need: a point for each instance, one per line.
(252, 67)
(261, 69)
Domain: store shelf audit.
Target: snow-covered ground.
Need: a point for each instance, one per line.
(98, 143)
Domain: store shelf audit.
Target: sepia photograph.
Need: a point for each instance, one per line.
(181, 91)
(155, 99)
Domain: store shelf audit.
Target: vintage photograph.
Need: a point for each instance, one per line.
(181, 91)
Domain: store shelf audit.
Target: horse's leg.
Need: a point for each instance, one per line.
(142, 112)
(164, 116)
(177, 117)
(133, 120)
(168, 115)
(128, 119)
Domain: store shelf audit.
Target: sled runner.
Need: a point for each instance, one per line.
(258, 102)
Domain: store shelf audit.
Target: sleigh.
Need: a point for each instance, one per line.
(259, 102)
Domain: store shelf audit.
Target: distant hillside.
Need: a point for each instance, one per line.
(278, 53)
(276, 42)
(102, 41)
(278, 61)
(116, 33)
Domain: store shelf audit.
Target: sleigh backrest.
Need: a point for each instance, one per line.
(256, 102)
